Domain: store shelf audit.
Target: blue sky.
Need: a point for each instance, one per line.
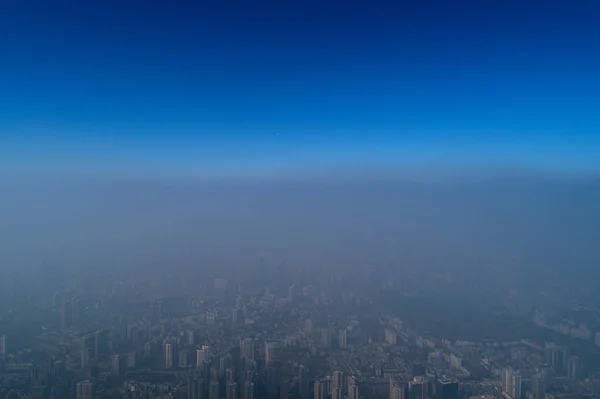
(260, 88)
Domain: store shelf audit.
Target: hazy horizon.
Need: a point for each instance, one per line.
(526, 226)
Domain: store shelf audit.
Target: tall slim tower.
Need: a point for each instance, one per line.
(3, 347)
(85, 390)
(248, 390)
(231, 390)
(398, 388)
(343, 339)
(574, 368)
(319, 390)
(511, 381)
(304, 382)
(247, 348)
(538, 386)
(213, 390)
(419, 388)
(353, 392)
(168, 355)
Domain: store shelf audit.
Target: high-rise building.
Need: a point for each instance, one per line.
(168, 350)
(538, 386)
(319, 390)
(511, 383)
(229, 375)
(557, 357)
(3, 347)
(194, 388)
(292, 290)
(326, 337)
(200, 357)
(247, 348)
(353, 391)
(308, 327)
(273, 381)
(342, 339)
(74, 311)
(273, 352)
(115, 364)
(390, 336)
(213, 390)
(250, 375)
(191, 337)
(455, 361)
(231, 390)
(419, 388)
(446, 388)
(183, 358)
(398, 388)
(65, 314)
(248, 390)
(85, 390)
(574, 368)
(237, 317)
(101, 344)
(304, 382)
(285, 388)
(222, 365)
(338, 380)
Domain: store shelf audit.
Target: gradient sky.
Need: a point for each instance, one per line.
(257, 88)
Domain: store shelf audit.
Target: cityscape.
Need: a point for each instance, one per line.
(300, 199)
(282, 335)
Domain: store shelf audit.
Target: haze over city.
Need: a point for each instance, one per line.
(327, 200)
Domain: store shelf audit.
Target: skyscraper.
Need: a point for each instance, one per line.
(574, 368)
(353, 392)
(247, 348)
(419, 388)
(538, 386)
(319, 389)
(390, 336)
(183, 358)
(326, 337)
(340, 380)
(231, 390)
(85, 390)
(74, 311)
(168, 350)
(273, 381)
(213, 390)
(3, 347)
(273, 352)
(200, 357)
(304, 382)
(557, 357)
(237, 317)
(308, 327)
(398, 388)
(446, 389)
(193, 387)
(342, 339)
(511, 383)
(229, 375)
(285, 388)
(115, 364)
(248, 390)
